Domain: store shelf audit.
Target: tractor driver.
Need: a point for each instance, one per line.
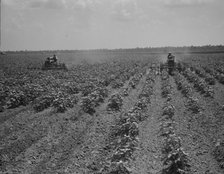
(55, 59)
(170, 57)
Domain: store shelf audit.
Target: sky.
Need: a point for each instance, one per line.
(94, 24)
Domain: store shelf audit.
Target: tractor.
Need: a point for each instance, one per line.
(169, 65)
(51, 63)
(2, 53)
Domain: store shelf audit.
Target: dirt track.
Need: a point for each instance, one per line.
(76, 142)
(147, 159)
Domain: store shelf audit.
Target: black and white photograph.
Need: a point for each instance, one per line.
(111, 86)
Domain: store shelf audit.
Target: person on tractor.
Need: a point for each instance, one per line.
(171, 63)
(170, 57)
(55, 59)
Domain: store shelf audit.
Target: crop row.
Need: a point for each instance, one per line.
(134, 81)
(218, 153)
(193, 105)
(210, 80)
(165, 86)
(198, 82)
(218, 75)
(187, 91)
(115, 101)
(60, 89)
(175, 160)
(124, 137)
(209, 69)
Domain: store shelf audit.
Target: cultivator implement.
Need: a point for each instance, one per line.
(58, 66)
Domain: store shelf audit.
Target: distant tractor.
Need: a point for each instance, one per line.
(2, 53)
(51, 63)
(171, 63)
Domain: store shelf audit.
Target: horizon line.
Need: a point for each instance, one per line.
(95, 49)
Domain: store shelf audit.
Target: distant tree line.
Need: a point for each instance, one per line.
(183, 49)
